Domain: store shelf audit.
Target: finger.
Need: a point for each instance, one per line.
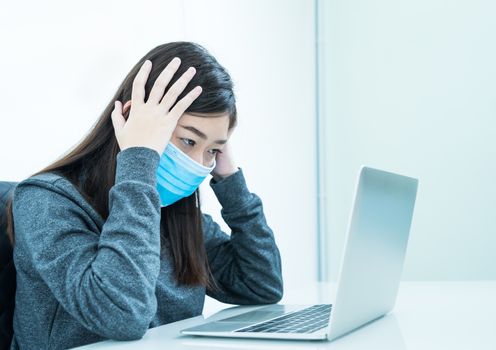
(118, 120)
(176, 89)
(185, 102)
(138, 92)
(163, 80)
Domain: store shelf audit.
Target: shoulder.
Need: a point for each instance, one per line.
(45, 179)
(44, 188)
(206, 223)
(212, 232)
(50, 199)
(49, 177)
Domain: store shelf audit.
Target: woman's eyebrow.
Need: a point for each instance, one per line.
(200, 134)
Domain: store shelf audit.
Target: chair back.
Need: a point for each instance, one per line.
(7, 271)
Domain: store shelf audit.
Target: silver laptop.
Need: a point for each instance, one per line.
(369, 275)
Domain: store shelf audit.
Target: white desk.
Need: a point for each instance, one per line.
(428, 315)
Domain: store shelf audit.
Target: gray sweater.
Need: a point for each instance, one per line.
(81, 279)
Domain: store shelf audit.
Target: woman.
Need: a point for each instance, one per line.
(110, 240)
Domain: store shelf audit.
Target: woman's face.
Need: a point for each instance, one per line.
(201, 137)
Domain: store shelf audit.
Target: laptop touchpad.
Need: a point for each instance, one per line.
(255, 316)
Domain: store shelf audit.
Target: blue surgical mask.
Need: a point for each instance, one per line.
(178, 175)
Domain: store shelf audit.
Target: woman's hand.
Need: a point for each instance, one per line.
(151, 123)
(225, 164)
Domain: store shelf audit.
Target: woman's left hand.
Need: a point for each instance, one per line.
(225, 164)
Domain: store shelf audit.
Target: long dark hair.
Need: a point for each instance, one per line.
(95, 156)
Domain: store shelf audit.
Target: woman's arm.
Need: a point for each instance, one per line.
(247, 264)
(105, 280)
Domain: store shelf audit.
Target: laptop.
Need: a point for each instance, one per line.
(369, 274)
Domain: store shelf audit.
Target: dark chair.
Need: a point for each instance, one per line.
(7, 271)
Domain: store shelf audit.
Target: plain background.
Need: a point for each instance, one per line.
(410, 86)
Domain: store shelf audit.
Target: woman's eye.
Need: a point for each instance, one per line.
(188, 142)
(215, 151)
(191, 143)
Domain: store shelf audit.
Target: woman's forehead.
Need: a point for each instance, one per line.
(213, 127)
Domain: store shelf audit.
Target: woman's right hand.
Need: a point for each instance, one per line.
(151, 123)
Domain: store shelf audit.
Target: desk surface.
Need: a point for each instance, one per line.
(427, 315)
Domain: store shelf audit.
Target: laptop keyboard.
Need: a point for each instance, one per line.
(307, 320)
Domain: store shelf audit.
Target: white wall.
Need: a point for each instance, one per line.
(409, 86)
(64, 60)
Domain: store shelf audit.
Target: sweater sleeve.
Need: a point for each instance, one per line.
(105, 280)
(246, 265)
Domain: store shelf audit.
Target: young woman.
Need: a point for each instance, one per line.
(110, 240)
